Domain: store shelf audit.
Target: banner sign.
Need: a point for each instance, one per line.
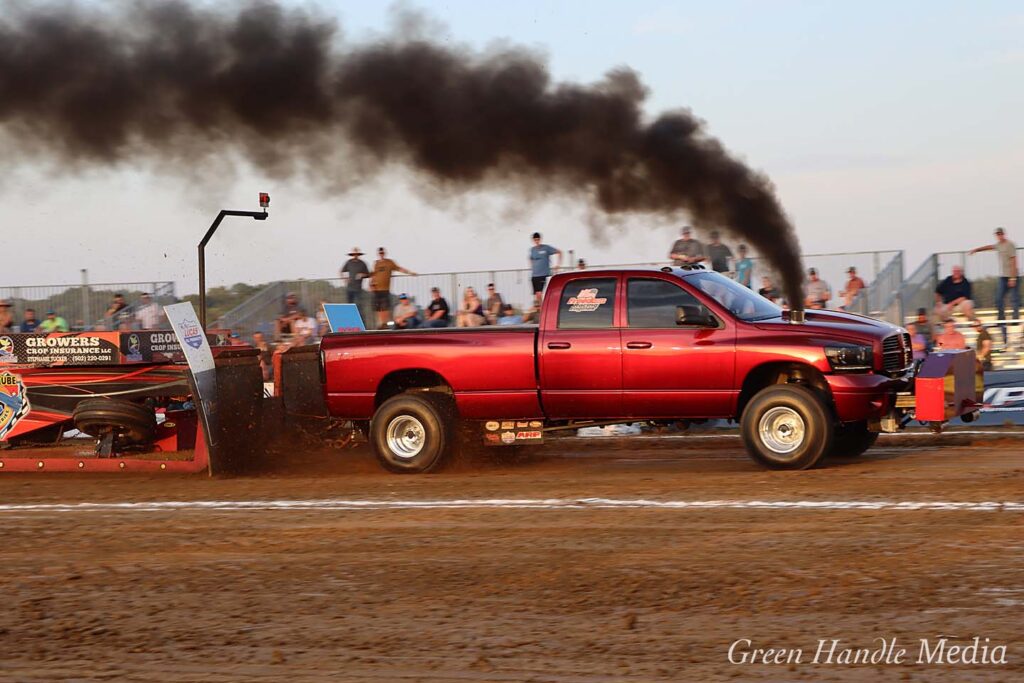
(61, 348)
(151, 346)
(344, 318)
(196, 347)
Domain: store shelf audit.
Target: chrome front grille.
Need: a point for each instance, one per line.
(897, 353)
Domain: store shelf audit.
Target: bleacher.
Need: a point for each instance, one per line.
(1003, 357)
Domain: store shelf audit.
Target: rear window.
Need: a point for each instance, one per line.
(587, 304)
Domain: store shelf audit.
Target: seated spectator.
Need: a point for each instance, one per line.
(509, 317)
(6, 318)
(494, 307)
(471, 313)
(438, 313)
(768, 289)
(925, 329)
(917, 342)
(266, 350)
(951, 338)
(322, 326)
(29, 322)
(853, 285)
(148, 313)
(983, 345)
(952, 294)
(290, 313)
(581, 264)
(304, 329)
(406, 315)
(818, 291)
(117, 305)
(53, 323)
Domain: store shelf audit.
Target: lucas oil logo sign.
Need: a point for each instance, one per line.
(191, 332)
(13, 402)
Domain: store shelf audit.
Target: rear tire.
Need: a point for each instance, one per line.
(132, 424)
(787, 427)
(412, 433)
(852, 440)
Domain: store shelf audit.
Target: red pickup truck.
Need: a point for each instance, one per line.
(623, 346)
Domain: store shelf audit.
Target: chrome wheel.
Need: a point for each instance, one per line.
(782, 430)
(405, 436)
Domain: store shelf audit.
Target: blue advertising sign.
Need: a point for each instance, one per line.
(344, 318)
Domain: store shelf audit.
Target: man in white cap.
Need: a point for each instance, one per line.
(353, 273)
(1009, 269)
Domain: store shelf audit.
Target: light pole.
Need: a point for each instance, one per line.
(258, 215)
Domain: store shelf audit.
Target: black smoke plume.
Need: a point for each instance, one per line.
(176, 82)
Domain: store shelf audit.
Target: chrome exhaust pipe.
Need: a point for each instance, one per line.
(796, 316)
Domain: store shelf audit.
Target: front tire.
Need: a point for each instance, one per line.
(852, 440)
(412, 434)
(787, 427)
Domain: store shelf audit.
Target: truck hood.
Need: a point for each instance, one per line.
(833, 323)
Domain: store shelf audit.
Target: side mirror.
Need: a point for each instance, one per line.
(696, 315)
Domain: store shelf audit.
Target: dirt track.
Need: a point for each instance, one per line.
(506, 594)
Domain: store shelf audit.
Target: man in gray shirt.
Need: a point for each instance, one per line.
(540, 266)
(1008, 271)
(718, 253)
(354, 272)
(686, 250)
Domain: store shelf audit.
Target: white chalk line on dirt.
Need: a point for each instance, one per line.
(959, 432)
(509, 503)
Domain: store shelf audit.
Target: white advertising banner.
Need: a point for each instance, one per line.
(194, 343)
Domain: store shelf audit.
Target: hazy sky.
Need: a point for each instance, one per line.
(884, 125)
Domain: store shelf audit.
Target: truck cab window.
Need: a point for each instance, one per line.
(655, 303)
(587, 304)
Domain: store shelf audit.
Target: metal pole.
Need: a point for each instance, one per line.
(258, 215)
(86, 313)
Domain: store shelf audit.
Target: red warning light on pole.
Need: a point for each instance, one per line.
(264, 199)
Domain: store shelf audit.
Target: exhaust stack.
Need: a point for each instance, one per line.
(796, 316)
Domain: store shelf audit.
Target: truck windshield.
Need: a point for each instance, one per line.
(743, 303)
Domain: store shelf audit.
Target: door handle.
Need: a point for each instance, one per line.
(559, 345)
(639, 345)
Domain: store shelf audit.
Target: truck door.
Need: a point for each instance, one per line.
(580, 353)
(674, 364)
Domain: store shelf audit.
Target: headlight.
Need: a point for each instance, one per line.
(850, 358)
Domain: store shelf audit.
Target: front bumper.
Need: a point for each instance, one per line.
(868, 396)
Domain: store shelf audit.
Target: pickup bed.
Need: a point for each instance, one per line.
(627, 345)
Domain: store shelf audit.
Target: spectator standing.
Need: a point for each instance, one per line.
(540, 265)
(53, 323)
(29, 322)
(917, 343)
(1008, 283)
(982, 345)
(6, 319)
(494, 307)
(323, 327)
(509, 317)
(148, 314)
(744, 267)
(818, 291)
(406, 315)
(718, 253)
(266, 351)
(471, 313)
(686, 250)
(380, 284)
(952, 294)
(581, 264)
(853, 285)
(353, 273)
(768, 289)
(951, 338)
(438, 313)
